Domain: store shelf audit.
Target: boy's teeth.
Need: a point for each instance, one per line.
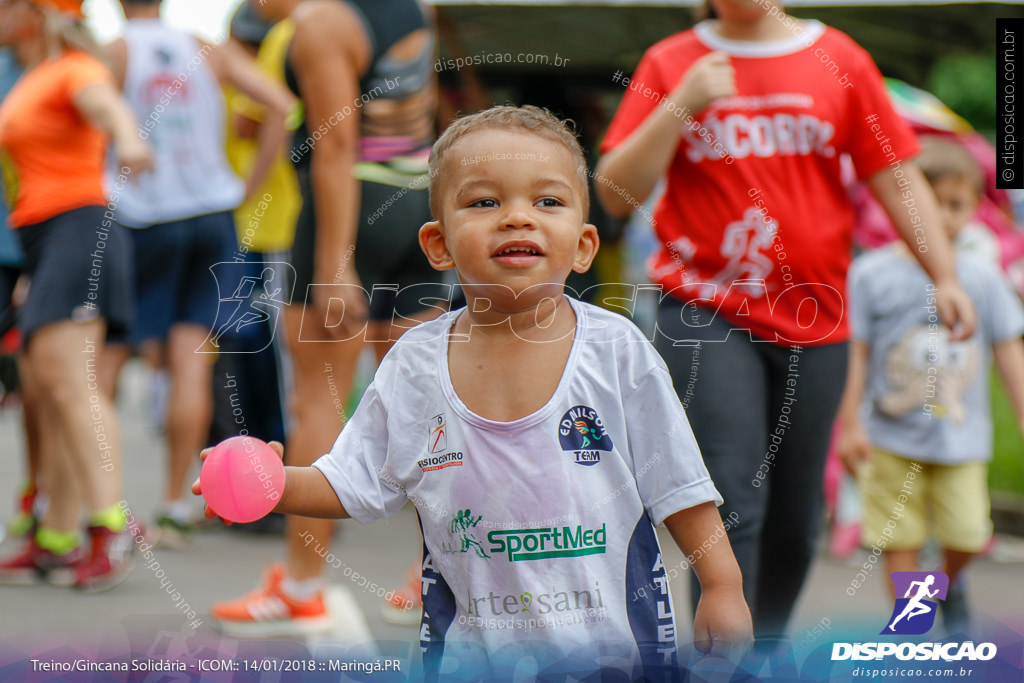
(525, 250)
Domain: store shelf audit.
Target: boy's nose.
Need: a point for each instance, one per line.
(518, 216)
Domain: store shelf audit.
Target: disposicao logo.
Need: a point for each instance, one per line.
(912, 615)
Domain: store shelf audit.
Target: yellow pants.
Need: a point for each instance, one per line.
(902, 497)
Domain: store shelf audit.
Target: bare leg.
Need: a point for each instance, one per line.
(63, 513)
(49, 456)
(323, 371)
(954, 562)
(899, 561)
(190, 408)
(63, 358)
(112, 360)
(30, 420)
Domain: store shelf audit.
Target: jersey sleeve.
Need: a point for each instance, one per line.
(644, 90)
(879, 136)
(1003, 314)
(83, 71)
(858, 302)
(356, 466)
(669, 470)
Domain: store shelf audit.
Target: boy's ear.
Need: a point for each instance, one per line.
(586, 250)
(433, 245)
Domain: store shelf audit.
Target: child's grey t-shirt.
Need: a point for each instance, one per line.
(539, 533)
(927, 398)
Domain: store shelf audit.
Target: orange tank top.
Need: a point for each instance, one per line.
(52, 157)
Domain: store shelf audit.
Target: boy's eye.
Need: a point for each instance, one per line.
(550, 201)
(485, 203)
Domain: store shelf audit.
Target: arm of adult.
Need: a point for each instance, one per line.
(924, 235)
(115, 53)
(231, 65)
(637, 163)
(722, 623)
(326, 56)
(103, 107)
(854, 443)
(1009, 357)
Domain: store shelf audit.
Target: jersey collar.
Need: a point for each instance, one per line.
(813, 30)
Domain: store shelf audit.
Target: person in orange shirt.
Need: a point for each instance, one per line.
(54, 128)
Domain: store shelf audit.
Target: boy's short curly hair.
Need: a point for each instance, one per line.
(942, 157)
(526, 118)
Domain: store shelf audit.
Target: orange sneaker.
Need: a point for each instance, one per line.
(405, 606)
(268, 612)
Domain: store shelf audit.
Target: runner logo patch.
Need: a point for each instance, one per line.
(582, 432)
(437, 441)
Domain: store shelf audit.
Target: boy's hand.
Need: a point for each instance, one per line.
(708, 79)
(956, 310)
(198, 491)
(722, 626)
(854, 448)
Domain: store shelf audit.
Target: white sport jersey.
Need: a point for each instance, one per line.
(180, 107)
(537, 532)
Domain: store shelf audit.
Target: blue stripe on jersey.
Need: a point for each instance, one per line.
(438, 615)
(649, 604)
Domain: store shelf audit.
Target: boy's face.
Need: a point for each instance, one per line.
(958, 200)
(511, 218)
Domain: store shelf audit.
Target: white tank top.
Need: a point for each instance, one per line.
(180, 108)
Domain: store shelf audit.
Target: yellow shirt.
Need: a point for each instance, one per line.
(265, 223)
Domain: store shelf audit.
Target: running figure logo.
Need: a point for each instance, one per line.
(436, 439)
(914, 613)
(462, 525)
(257, 297)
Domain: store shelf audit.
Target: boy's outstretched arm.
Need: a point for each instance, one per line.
(722, 622)
(1009, 357)
(306, 491)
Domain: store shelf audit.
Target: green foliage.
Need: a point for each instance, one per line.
(1006, 472)
(966, 83)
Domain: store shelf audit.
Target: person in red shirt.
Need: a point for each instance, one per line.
(749, 116)
(54, 128)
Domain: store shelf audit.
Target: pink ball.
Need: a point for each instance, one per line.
(242, 479)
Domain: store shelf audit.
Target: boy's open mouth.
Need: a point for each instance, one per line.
(518, 252)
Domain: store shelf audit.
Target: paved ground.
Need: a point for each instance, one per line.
(222, 563)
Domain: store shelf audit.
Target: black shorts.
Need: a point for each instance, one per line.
(80, 267)
(389, 261)
(173, 280)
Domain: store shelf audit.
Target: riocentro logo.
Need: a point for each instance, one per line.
(540, 544)
(582, 432)
(914, 613)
